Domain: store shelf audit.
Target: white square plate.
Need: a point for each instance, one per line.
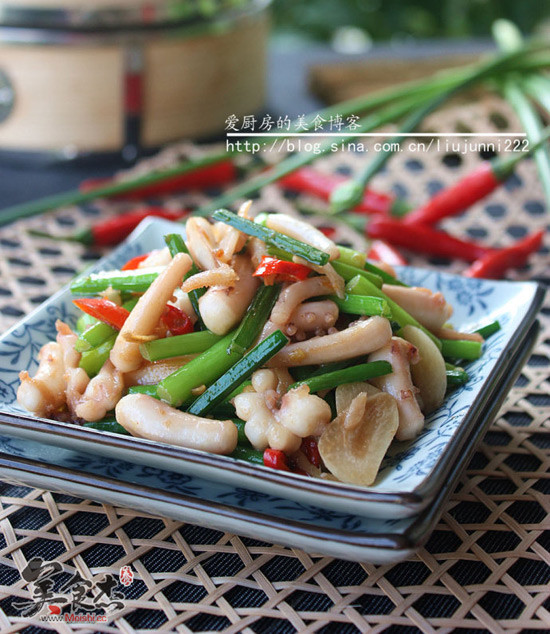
(413, 472)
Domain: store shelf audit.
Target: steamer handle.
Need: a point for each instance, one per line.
(133, 100)
(7, 96)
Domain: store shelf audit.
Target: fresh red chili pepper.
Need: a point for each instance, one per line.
(116, 229)
(133, 263)
(198, 179)
(455, 199)
(311, 450)
(271, 268)
(423, 239)
(177, 322)
(472, 188)
(103, 309)
(384, 252)
(113, 230)
(495, 264)
(306, 180)
(276, 459)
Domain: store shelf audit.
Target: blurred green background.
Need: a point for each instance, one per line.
(356, 23)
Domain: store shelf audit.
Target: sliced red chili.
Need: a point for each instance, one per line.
(103, 309)
(133, 263)
(311, 450)
(276, 459)
(271, 268)
(177, 322)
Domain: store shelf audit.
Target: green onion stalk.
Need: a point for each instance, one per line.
(509, 40)
(350, 193)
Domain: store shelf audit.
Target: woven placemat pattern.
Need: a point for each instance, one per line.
(485, 567)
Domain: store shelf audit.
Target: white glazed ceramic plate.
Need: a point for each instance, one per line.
(228, 508)
(410, 476)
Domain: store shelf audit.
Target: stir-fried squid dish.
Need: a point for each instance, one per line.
(259, 339)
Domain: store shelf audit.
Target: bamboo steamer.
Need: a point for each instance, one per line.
(83, 76)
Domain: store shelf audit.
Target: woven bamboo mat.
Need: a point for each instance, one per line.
(486, 566)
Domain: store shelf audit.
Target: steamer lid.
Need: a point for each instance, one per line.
(113, 14)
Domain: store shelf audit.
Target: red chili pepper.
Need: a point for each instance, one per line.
(201, 178)
(495, 264)
(306, 180)
(103, 309)
(282, 270)
(384, 252)
(311, 450)
(133, 263)
(424, 239)
(276, 459)
(113, 230)
(455, 199)
(118, 228)
(177, 322)
(470, 189)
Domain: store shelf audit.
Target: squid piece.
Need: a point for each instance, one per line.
(314, 316)
(146, 417)
(142, 321)
(201, 243)
(294, 294)
(428, 308)
(76, 378)
(262, 429)
(66, 338)
(303, 413)
(222, 308)
(401, 354)
(337, 281)
(44, 393)
(361, 337)
(257, 249)
(150, 373)
(300, 230)
(229, 241)
(158, 257)
(222, 276)
(101, 395)
(283, 426)
(181, 300)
